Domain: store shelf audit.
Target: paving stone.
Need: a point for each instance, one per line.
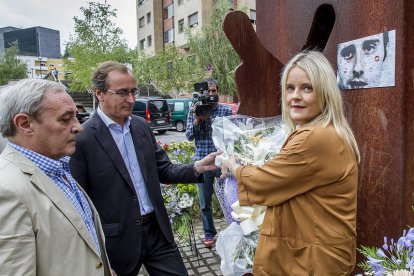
(202, 269)
(211, 261)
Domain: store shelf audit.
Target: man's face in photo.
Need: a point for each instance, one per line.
(360, 62)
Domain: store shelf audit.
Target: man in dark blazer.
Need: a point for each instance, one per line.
(120, 165)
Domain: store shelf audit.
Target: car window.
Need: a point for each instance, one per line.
(139, 106)
(171, 106)
(179, 106)
(157, 105)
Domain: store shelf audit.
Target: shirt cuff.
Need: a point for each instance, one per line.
(196, 173)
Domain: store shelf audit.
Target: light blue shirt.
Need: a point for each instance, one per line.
(123, 140)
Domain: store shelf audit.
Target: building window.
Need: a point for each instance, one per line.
(149, 41)
(180, 2)
(180, 26)
(148, 18)
(140, 2)
(141, 44)
(169, 11)
(193, 20)
(141, 22)
(253, 16)
(169, 36)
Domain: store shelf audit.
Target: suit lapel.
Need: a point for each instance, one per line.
(104, 137)
(64, 205)
(51, 190)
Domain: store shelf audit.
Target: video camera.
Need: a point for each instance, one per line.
(203, 102)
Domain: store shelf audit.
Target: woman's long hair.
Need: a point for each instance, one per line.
(328, 95)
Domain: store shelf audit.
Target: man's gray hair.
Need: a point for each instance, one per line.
(23, 96)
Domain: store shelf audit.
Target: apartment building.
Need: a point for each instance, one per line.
(44, 67)
(162, 22)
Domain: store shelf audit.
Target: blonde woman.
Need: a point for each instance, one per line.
(310, 187)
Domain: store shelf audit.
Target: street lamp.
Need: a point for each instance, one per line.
(40, 65)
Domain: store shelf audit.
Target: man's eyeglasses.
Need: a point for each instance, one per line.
(123, 93)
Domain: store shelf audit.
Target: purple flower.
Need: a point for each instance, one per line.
(396, 260)
(385, 245)
(373, 260)
(410, 264)
(381, 253)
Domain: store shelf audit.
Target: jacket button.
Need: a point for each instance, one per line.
(134, 198)
(98, 265)
(138, 222)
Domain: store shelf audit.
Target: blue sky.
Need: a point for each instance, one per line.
(58, 15)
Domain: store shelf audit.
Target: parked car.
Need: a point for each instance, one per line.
(234, 107)
(81, 113)
(179, 109)
(155, 110)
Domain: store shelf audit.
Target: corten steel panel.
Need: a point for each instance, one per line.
(382, 118)
(255, 74)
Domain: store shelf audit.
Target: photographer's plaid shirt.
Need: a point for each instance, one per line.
(202, 133)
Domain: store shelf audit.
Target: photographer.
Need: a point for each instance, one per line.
(204, 110)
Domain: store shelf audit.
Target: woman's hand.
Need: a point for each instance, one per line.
(228, 167)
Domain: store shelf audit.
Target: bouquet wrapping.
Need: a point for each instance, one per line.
(250, 141)
(236, 250)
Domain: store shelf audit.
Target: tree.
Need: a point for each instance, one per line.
(169, 70)
(214, 51)
(96, 39)
(11, 68)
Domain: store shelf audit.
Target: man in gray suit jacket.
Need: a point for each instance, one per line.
(120, 165)
(48, 225)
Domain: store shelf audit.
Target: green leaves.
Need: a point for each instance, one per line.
(215, 51)
(11, 68)
(172, 71)
(169, 70)
(96, 40)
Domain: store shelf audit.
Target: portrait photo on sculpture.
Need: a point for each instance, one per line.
(367, 62)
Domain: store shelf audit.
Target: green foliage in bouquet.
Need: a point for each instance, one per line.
(179, 200)
(246, 250)
(245, 145)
